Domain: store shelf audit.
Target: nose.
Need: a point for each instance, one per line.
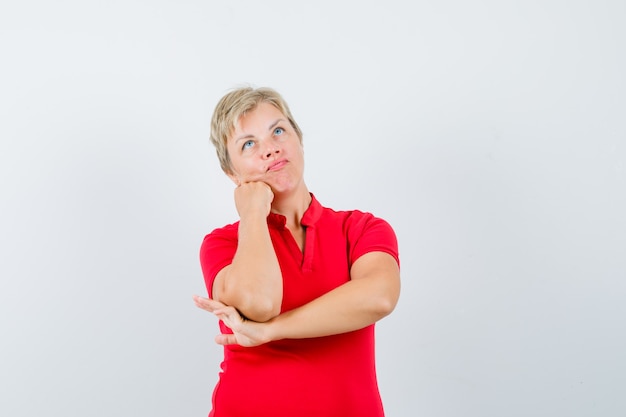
(270, 150)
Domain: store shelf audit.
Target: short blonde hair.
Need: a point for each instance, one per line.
(236, 104)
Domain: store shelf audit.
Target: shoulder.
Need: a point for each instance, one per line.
(356, 221)
(227, 230)
(223, 236)
(365, 232)
(359, 224)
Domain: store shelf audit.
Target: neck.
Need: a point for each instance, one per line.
(292, 206)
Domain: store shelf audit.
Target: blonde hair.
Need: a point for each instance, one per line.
(236, 104)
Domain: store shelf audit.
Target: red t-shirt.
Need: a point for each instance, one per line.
(324, 376)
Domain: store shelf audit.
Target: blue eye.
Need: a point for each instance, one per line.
(247, 144)
(279, 131)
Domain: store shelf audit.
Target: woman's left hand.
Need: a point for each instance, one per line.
(245, 332)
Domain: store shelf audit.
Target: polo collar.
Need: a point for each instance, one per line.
(310, 217)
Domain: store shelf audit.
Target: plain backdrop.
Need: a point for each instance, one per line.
(490, 134)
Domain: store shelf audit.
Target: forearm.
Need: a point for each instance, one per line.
(349, 307)
(253, 282)
(371, 294)
(352, 306)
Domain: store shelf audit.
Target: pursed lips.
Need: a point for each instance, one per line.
(277, 165)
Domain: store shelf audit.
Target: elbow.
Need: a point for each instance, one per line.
(250, 303)
(384, 306)
(259, 309)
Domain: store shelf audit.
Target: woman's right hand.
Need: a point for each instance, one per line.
(253, 199)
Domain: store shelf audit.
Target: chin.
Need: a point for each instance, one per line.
(282, 189)
(285, 187)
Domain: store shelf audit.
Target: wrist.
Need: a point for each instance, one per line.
(253, 217)
(273, 329)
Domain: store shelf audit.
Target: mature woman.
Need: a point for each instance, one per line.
(297, 286)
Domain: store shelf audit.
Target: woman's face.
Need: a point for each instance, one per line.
(265, 147)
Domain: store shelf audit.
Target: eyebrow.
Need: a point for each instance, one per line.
(271, 126)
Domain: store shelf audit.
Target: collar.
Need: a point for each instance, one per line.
(311, 215)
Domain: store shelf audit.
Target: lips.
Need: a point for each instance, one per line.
(277, 165)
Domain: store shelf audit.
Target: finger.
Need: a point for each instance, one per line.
(207, 304)
(206, 301)
(226, 339)
(201, 302)
(227, 311)
(198, 298)
(229, 319)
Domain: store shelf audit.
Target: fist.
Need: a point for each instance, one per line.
(253, 198)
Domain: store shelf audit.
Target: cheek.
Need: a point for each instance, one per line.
(301, 153)
(237, 162)
(246, 170)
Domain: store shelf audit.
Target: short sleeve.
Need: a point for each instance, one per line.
(216, 252)
(367, 233)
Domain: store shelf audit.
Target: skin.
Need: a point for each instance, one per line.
(267, 166)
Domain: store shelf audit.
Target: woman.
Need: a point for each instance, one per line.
(297, 286)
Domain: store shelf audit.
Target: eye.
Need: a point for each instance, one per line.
(279, 131)
(247, 144)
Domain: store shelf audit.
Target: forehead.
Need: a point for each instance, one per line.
(257, 120)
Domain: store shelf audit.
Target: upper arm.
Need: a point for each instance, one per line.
(381, 271)
(216, 255)
(374, 259)
(217, 289)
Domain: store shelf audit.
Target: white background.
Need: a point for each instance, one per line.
(490, 134)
